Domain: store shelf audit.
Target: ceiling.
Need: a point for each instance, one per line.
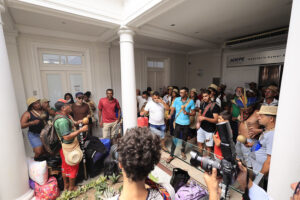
(219, 20)
(27, 18)
(154, 42)
(197, 24)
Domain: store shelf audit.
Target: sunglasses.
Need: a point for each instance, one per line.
(80, 97)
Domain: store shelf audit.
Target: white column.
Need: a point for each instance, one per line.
(285, 162)
(129, 105)
(13, 169)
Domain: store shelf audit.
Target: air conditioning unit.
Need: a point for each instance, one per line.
(278, 36)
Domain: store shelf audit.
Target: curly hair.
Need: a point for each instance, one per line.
(139, 152)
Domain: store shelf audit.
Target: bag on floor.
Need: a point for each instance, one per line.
(179, 178)
(38, 171)
(190, 191)
(48, 191)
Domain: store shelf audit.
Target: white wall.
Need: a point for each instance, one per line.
(202, 67)
(241, 76)
(176, 70)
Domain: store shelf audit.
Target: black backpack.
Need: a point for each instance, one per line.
(49, 137)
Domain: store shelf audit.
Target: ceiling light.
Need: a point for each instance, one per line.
(172, 25)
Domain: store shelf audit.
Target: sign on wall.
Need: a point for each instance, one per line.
(264, 57)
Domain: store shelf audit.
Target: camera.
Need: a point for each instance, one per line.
(227, 167)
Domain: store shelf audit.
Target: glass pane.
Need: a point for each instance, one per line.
(160, 64)
(76, 83)
(63, 60)
(150, 63)
(54, 84)
(187, 147)
(51, 59)
(74, 60)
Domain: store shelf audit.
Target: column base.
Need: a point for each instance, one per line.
(27, 196)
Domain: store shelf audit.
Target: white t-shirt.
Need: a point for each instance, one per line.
(156, 113)
(142, 101)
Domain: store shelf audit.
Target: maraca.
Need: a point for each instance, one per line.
(242, 139)
(85, 121)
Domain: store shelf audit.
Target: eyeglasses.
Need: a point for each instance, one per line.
(80, 98)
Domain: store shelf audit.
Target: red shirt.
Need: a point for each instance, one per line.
(217, 150)
(108, 109)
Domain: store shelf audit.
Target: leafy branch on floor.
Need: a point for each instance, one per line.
(103, 191)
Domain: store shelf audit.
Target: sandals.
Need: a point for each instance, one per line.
(169, 160)
(183, 156)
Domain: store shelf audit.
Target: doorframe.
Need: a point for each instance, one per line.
(35, 57)
(167, 68)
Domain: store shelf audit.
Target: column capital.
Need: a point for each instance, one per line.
(124, 30)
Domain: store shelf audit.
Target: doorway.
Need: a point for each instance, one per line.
(62, 72)
(157, 74)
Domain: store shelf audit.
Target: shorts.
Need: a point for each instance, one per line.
(207, 137)
(34, 139)
(158, 130)
(69, 171)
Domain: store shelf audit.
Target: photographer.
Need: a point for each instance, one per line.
(212, 183)
(254, 193)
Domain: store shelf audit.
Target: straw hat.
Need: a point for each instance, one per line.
(213, 86)
(31, 100)
(273, 88)
(44, 100)
(268, 110)
(74, 157)
(194, 90)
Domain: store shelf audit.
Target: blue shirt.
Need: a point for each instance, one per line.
(183, 119)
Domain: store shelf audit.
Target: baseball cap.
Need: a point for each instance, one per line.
(78, 94)
(60, 103)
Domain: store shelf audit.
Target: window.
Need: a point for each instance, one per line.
(61, 59)
(155, 64)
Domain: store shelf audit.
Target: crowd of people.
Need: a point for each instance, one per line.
(186, 114)
(66, 117)
(182, 113)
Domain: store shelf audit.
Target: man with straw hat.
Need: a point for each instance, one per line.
(262, 150)
(270, 93)
(33, 120)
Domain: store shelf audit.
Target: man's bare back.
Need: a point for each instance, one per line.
(247, 127)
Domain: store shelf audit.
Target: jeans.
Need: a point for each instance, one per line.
(184, 129)
(158, 130)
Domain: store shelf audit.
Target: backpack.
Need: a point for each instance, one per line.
(48, 191)
(49, 137)
(179, 178)
(191, 191)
